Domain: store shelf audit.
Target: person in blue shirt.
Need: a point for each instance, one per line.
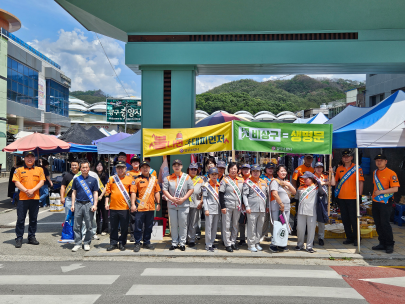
(122, 157)
(84, 204)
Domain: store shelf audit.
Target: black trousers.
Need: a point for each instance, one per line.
(119, 218)
(349, 217)
(381, 215)
(102, 217)
(32, 206)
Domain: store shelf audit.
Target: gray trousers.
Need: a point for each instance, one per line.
(275, 217)
(83, 214)
(321, 230)
(178, 225)
(308, 222)
(211, 225)
(192, 224)
(254, 224)
(230, 224)
(266, 225)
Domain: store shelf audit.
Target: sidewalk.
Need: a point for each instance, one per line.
(333, 249)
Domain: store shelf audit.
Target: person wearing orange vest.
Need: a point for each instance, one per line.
(146, 192)
(385, 185)
(345, 190)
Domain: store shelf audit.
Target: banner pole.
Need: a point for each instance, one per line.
(357, 200)
(233, 146)
(330, 187)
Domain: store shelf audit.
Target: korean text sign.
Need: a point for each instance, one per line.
(116, 110)
(282, 137)
(159, 142)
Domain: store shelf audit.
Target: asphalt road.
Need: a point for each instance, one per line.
(129, 282)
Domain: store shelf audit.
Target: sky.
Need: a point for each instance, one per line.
(52, 31)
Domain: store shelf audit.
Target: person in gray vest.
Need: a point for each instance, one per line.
(230, 198)
(280, 189)
(268, 176)
(255, 196)
(195, 204)
(306, 219)
(244, 174)
(177, 188)
(211, 208)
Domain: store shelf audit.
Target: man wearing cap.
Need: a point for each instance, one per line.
(255, 198)
(84, 204)
(195, 204)
(146, 192)
(245, 174)
(118, 201)
(28, 179)
(298, 181)
(268, 177)
(385, 185)
(122, 157)
(177, 188)
(345, 190)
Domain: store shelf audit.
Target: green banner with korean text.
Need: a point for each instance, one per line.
(282, 137)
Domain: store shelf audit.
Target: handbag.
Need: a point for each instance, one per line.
(67, 230)
(280, 231)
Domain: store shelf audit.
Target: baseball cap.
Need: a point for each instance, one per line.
(346, 153)
(221, 164)
(244, 166)
(308, 174)
(135, 159)
(177, 161)
(255, 167)
(212, 170)
(193, 166)
(144, 163)
(122, 154)
(200, 165)
(318, 164)
(120, 164)
(380, 156)
(308, 155)
(270, 166)
(26, 153)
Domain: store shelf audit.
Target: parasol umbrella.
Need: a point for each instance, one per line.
(218, 118)
(41, 143)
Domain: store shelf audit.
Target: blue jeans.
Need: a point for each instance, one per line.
(145, 217)
(43, 192)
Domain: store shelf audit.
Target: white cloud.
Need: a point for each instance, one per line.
(206, 82)
(83, 60)
(358, 77)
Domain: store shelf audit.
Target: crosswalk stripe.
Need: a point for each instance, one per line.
(244, 290)
(272, 273)
(57, 279)
(49, 299)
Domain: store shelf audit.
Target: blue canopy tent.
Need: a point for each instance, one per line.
(129, 145)
(382, 126)
(82, 148)
(319, 118)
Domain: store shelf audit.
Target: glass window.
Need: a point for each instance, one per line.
(26, 80)
(31, 73)
(14, 65)
(14, 86)
(36, 85)
(30, 82)
(30, 92)
(20, 78)
(20, 89)
(35, 93)
(8, 84)
(20, 68)
(26, 69)
(13, 96)
(9, 63)
(14, 75)
(9, 73)
(25, 90)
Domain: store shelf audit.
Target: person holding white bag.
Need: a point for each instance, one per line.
(308, 199)
(281, 189)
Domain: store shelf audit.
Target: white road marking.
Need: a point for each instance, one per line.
(244, 290)
(57, 279)
(209, 272)
(71, 267)
(48, 299)
(395, 281)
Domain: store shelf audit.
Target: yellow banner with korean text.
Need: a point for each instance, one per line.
(159, 142)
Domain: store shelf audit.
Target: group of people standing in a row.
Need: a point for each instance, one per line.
(243, 199)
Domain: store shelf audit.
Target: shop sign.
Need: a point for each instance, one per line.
(116, 110)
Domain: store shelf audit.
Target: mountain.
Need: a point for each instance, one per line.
(299, 93)
(90, 96)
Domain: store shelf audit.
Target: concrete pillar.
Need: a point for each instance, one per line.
(57, 130)
(20, 123)
(45, 128)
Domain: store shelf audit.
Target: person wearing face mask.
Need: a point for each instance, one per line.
(281, 190)
(211, 208)
(195, 204)
(230, 198)
(245, 174)
(255, 195)
(306, 220)
(177, 188)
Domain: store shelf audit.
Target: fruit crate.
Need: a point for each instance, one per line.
(332, 235)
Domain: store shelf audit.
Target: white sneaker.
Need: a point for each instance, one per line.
(253, 249)
(76, 248)
(258, 247)
(96, 237)
(103, 233)
(86, 247)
